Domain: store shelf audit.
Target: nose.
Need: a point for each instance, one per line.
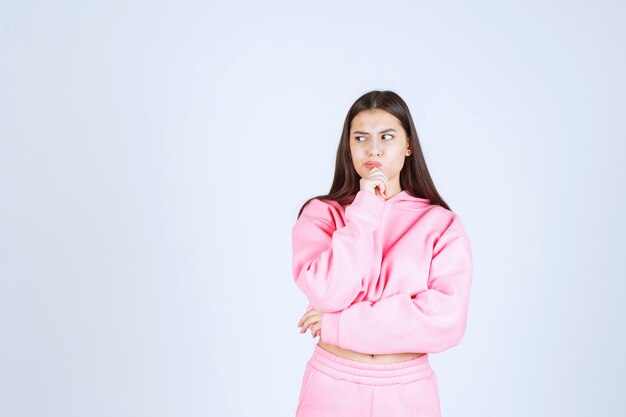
(374, 149)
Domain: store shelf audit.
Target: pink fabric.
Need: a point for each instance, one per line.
(391, 275)
(333, 386)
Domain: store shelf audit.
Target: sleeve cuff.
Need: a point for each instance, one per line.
(330, 328)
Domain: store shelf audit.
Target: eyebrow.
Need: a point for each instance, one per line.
(366, 133)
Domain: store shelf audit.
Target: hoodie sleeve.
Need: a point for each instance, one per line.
(330, 263)
(430, 321)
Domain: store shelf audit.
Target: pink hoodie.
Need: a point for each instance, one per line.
(390, 276)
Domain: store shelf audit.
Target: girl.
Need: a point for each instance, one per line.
(386, 267)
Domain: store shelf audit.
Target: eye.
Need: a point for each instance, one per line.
(387, 134)
(357, 138)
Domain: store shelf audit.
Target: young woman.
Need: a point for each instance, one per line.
(386, 267)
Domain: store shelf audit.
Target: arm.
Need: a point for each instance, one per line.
(329, 264)
(431, 321)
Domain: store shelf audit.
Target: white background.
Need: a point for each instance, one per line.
(154, 155)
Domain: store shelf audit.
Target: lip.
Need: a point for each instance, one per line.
(372, 164)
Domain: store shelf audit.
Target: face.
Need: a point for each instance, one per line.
(376, 135)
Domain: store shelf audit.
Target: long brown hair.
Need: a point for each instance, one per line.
(414, 176)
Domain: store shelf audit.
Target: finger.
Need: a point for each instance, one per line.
(381, 188)
(384, 185)
(301, 325)
(318, 330)
(316, 327)
(311, 313)
(306, 328)
(384, 181)
(308, 322)
(304, 316)
(380, 180)
(305, 325)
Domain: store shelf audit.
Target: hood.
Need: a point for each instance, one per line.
(404, 199)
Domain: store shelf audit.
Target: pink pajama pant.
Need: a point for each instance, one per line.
(333, 386)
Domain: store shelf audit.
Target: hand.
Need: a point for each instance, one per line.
(313, 319)
(376, 182)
